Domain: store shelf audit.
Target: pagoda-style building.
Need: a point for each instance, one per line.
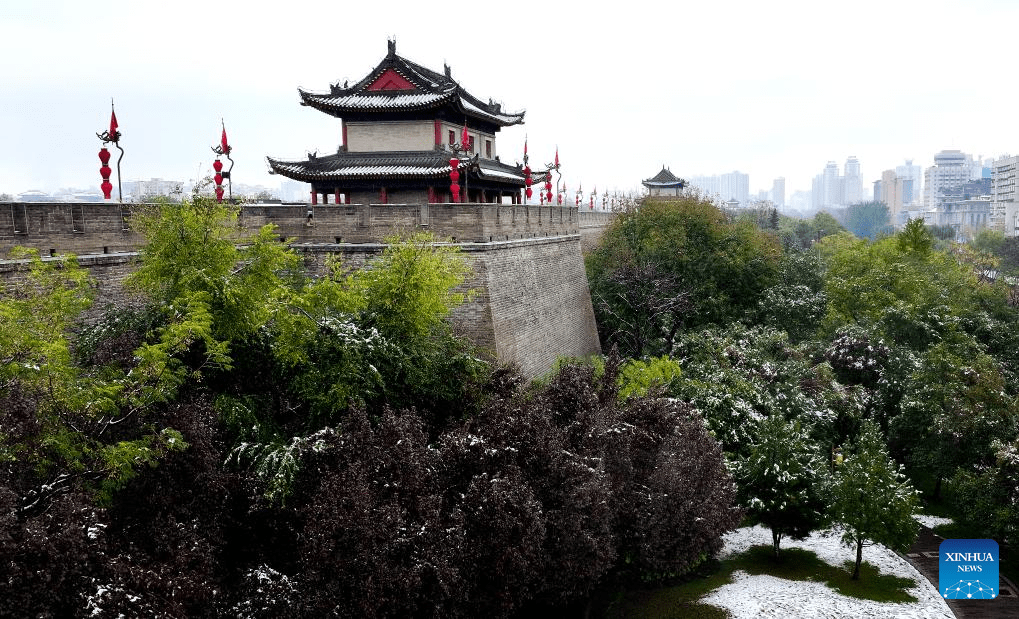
(401, 124)
(665, 183)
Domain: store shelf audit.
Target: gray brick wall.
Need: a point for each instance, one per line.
(531, 303)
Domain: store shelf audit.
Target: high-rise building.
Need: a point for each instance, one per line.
(831, 186)
(1004, 215)
(852, 185)
(951, 169)
(778, 192)
(913, 173)
(729, 186)
(893, 190)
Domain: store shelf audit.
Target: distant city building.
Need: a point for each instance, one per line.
(852, 183)
(894, 191)
(778, 192)
(800, 201)
(728, 187)
(143, 190)
(665, 183)
(914, 174)
(293, 191)
(1004, 215)
(34, 195)
(951, 169)
(965, 215)
(831, 189)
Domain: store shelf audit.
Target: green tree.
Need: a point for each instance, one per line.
(908, 290)
(797, 303)
(215, 285)
(867, 220)
(872, 502)
(67, 444)
(783, 482)
(915, 238)
(952, 409)
(670, 265)
(374, 338)
(986, 498)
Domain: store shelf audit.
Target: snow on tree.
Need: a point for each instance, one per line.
(872, 501)
(782, 484)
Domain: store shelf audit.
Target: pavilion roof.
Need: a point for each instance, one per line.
(665, 178)
(390, 164)
(399, 85)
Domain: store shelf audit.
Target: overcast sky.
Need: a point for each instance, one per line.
(767, 88)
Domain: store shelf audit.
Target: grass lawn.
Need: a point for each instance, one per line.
(681, 600)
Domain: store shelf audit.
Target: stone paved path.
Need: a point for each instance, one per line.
(924, 557)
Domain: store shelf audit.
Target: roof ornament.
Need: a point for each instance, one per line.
(392, 47)
(110, 135)
(549, 168)
(448, 71)
(224, 149)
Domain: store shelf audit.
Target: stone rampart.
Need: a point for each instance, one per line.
(531, 301)
(97, 228)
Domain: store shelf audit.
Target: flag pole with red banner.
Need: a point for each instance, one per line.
(224, 149)
(111, 135)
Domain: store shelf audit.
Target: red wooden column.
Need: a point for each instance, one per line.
(337, 190)
(314, 197)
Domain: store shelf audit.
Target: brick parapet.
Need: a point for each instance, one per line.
(95, 228)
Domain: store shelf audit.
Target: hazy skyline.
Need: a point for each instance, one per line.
(769, 89)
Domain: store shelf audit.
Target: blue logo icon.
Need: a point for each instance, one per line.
(968, 569)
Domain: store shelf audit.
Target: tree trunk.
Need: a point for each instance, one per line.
(776, 539)
(937, 489)
(859, 559)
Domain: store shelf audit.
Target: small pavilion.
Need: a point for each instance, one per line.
(665, 183)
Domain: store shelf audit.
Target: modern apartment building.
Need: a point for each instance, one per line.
(1004, 211)
(951, 169)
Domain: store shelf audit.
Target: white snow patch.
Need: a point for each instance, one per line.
(767, 596)
(931, 521)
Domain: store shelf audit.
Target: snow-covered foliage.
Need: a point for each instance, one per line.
(872, 501)
(783, 482)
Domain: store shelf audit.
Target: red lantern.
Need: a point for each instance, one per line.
(548, 187)
(217, 165)
(454, 178)
(105, 171)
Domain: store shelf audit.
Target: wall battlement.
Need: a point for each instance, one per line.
(97, 228)
(532, 303)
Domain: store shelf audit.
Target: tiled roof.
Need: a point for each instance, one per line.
(431, 90)
(665, 178)
(415, 164)
(373, 101)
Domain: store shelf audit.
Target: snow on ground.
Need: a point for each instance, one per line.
(932, 521)
(767, 596)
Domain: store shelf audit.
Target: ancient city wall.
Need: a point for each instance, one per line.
(98, 228)
(531, 303)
